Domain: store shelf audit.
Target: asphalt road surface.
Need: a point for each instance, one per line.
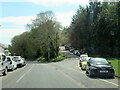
(64, 74)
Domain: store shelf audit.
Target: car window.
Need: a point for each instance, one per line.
(8, 59)
(16, 58)
(99, 61)
(3, 57)
(85, 59)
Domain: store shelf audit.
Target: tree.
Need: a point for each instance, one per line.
(41, 40)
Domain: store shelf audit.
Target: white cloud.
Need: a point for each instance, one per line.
(52, 2)
(21, 20)
(10, 32)
(65, 17)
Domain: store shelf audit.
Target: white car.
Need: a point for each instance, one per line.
(76, 52)
(19, 60)
(3, 64)
(11, 64)
(83, 55)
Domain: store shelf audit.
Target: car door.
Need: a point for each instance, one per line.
(14, 63)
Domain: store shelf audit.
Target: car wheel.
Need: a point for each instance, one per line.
(21, 65)
(89, 74)
(5, 72)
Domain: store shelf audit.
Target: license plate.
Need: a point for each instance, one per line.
(103, 71)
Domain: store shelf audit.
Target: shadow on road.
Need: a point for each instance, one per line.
(102, 77)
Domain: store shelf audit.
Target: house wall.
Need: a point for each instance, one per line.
(2, 48)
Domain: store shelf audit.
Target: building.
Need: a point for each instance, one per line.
(2, 48)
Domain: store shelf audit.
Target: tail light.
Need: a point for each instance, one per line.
(19, 60)
(10, 62)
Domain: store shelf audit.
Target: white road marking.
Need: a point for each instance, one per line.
(23, 75)
(109, 82)
(20, 78)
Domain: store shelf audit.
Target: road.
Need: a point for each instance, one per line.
(64, 74)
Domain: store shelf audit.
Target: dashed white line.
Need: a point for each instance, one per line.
(20, 78)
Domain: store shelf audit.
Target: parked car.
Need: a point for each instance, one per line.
(84, 62)
(19, 60)
(99, 67)
(71, 49)
(66, 47)
(76, 52)
(3, 64)
(11, 64)
(24, 61)
(81, 57)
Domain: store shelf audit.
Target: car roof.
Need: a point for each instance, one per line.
(8, 56)
(2, 54)
(83, 55)
(16, 56)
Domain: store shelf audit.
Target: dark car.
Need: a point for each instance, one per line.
(67, 47)
(99, 67)
(71, 49)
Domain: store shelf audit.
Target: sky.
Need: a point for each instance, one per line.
(15, 14)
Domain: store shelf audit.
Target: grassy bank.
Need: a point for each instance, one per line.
(56, 59)
(116, 65)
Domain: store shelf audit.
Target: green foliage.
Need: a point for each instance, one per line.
(59, 58)
(64, 36)
(41, 41)
(42, 59)
(56, 59)
(96, 29)
(116, 65)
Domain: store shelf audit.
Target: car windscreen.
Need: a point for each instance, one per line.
(99, 61)
(16, 58)
(85, 59)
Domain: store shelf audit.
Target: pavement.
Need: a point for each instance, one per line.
(63, 74)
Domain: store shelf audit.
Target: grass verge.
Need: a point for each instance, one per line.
(56, 59)
(116, 65)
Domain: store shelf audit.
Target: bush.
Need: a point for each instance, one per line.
(59, 58)
(56, 59)
(42, 59)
